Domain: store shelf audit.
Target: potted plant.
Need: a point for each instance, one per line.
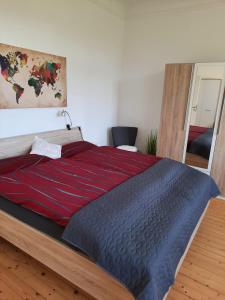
(152, 143)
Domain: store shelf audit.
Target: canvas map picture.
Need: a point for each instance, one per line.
(31, 79)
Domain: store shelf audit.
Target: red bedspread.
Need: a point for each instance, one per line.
(20, 162)
(129, 163)
(57, 189)
(195, 131)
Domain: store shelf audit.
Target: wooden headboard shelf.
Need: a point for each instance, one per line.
(19, 145)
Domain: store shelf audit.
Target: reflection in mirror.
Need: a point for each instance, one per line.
(202, 119)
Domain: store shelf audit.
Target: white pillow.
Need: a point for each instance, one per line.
(128, 148)
(45, 148)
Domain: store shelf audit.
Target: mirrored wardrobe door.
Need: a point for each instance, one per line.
(203, 114)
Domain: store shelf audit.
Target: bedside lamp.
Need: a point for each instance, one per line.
(68, 120)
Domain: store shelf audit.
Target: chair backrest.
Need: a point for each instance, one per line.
(122, 135)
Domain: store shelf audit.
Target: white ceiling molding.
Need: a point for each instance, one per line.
(115, 7)
(127, 9)
(144, 8)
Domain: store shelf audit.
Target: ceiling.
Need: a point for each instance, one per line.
(138, 8)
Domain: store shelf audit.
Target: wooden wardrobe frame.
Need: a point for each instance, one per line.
(78, 270)
(178, 93)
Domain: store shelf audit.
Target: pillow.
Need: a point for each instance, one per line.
(128, 148)
(74, 148)
(45, 148)
(11, 164)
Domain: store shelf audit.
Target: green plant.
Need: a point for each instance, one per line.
(152, 143)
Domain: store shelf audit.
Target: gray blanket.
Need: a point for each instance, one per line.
(139, 231)
(202, 144)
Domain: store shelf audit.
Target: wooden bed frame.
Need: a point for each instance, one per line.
(78, 270)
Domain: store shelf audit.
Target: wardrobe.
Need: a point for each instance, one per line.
(192, 124)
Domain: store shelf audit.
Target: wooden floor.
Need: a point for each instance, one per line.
(202, 275)
(196, 161)
(23, 278)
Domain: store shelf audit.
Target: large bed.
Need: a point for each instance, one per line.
(97, 208)
(200, 141)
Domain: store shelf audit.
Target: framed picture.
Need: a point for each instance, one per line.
(31, 79)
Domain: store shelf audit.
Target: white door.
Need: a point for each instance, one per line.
(208, 98)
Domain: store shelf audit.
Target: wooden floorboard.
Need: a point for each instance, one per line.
(21, 277)
(202, 274)
(201, 277)
(196, 160)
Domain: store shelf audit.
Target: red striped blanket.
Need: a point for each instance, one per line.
(58, 188)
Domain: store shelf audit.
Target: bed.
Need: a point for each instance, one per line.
(200, 141)
(94, 202)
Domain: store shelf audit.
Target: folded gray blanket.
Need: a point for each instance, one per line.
(140, 230)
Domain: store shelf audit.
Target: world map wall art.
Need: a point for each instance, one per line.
(31, 79)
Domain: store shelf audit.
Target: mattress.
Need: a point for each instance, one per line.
(33, 219)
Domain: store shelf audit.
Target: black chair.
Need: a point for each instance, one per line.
(122, 135)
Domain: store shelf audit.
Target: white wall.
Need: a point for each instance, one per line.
(160, 32)
(89, 33)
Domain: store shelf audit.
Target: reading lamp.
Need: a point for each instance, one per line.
(68, 120)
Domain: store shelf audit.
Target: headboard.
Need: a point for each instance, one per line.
(19, 145)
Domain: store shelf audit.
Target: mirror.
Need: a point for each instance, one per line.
(202, 119)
